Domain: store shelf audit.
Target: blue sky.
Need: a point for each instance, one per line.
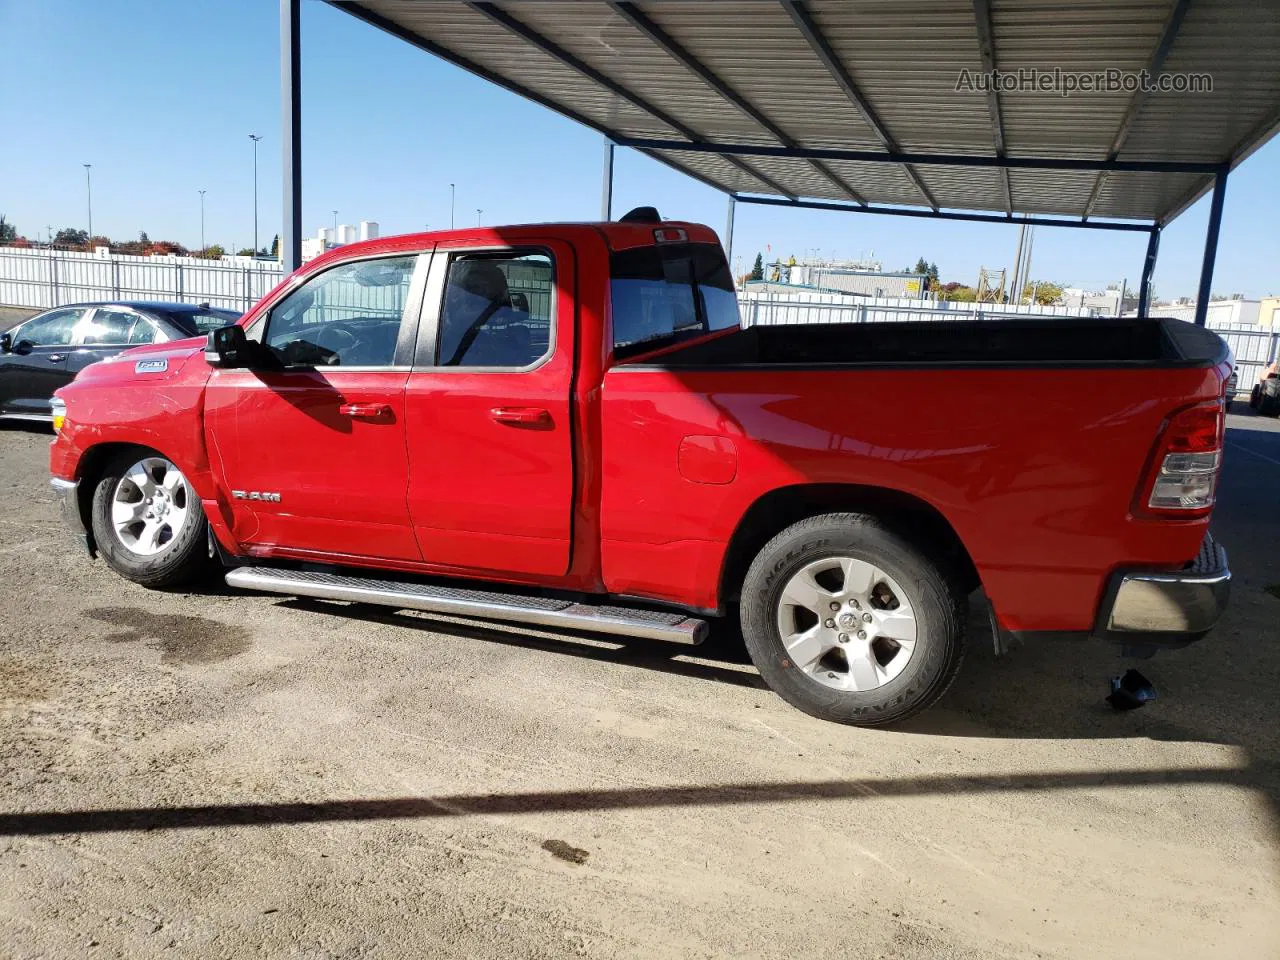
(161, 98)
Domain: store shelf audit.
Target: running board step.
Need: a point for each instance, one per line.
(481, 604)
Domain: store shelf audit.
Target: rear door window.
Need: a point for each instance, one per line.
(115, 326)
(667, 292)
(497, 310)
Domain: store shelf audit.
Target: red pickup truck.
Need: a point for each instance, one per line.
(565, 425)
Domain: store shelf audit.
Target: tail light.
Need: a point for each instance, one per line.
(1184, 471)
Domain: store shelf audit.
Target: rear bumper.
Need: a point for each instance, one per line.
(67, 493)
(1167, 608)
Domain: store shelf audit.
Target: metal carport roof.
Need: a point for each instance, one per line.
(855, 103)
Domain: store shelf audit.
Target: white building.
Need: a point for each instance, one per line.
(327, 238)
(1233, 310)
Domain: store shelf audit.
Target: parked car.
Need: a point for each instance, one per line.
(565, 425)
(46, 351)
(1265, 396)
(1233, 384)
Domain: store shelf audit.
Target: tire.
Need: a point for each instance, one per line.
(870, 685)
(1255, 396)
(1268, 405)
(166, 545)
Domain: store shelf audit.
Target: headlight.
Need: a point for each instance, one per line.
(59, 413)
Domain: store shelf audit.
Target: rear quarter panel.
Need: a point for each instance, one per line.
(1035, 469)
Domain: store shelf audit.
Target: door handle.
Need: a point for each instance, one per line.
(365, 411)
(522, 416)
(56, 357)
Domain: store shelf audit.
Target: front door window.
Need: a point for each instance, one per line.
(348, 316)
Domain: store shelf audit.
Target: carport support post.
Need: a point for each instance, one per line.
(1210, 247)
(606, 190)
(291, 132)
(1148, 268)
(728, 232)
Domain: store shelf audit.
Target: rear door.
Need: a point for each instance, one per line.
(488, 410)
(37, 363)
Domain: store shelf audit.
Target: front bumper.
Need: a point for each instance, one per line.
(1168, 608)
(67, 493)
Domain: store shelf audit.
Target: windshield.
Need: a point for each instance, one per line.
(198, 321)
(669, 292)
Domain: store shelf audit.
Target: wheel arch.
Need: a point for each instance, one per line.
(89, 471)
(916, 520)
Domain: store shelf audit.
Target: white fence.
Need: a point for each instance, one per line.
(1253, 347)
(819, 308)
(37, 278)
(31, 277)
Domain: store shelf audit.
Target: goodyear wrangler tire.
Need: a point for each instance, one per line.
(850, 622)
(147, 521)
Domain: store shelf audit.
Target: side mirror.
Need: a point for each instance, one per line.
(23, 347)
(6, 343)
(227, 347)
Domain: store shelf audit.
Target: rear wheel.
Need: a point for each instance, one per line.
(849, 622)
(148, 522)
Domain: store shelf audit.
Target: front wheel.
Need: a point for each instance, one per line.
(148, 522)
(849, 622)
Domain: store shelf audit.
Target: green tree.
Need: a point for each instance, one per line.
(245, 252)
(70, 237)
(1046, 292)
(8, 232)
(957, 292)
(928, 270)
(757, 270)
(215, 252)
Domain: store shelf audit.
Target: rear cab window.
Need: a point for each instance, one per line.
(666, 293)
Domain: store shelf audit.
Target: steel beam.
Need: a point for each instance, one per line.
(943, 214)
(674, 49)
(606, 196)
(1154, 67)
(1148, 270)
(728, 232)
(987, 53)
(1210, 248)
(823, 50)
(291, 133)
(449, 56)
(561, 55)
(939, 159)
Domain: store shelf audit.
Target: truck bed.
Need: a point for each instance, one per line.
(1057, 343)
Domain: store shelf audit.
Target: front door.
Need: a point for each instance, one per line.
(37, 363)
(488, 406)
(313, 450)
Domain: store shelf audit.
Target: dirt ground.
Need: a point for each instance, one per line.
(231, 775)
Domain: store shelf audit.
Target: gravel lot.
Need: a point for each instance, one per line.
(223, 775)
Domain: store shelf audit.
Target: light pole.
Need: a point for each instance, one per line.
(478, 212)
(335, 226)
(451, 195)
(203, 248)
(255, 138)
(88, 190)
